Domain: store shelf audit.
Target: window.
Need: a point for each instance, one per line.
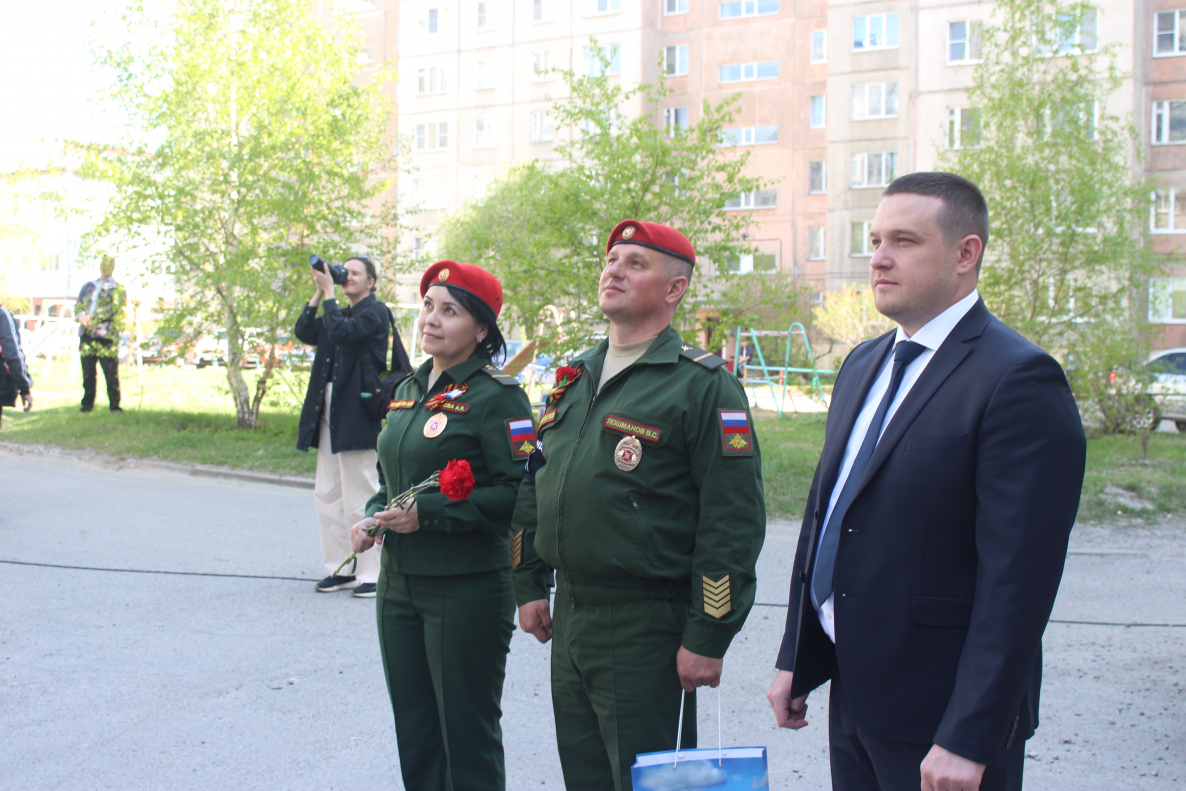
(862, 245)
(744, 72)
(874, 32)
(874, 100)
(817, 117)
(754, 262)
(758, 199)
(482, 20)
(608, 6)
(741, 8)
(542, 129)
(675, 61)
(819, 46)
(675, 119)
(963, 128)
(484, 134)
(539, 11)
(675, 7)
(599, 60)
(963, 42)
(1169, 33)
(432, 24)
(431, 137)
(1168, 212)
(1167, 300)
(817, 177)
(483, 80)
(749, 135)
(365, 56)
(430, 79)
(1075, 120)
(428, 194)
(874, 170)
(1076, 34)
(1169, 122)
(540, 67)
(815, 243)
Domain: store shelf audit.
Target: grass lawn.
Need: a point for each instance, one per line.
(186, 415)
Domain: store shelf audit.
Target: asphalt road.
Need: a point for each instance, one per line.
(159, 630)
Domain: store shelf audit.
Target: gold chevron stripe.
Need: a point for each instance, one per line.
(718, 600)
(516, 548)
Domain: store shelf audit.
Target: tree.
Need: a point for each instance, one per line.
(254, 147)
(542, 229)
(848, 316)
(1066, 263)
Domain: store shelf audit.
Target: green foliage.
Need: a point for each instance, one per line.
(542, 229)
(1066, 263)
(848, 316)
(253, 148)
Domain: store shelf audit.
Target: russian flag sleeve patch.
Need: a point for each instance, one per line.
(737, 438)
(521, 432)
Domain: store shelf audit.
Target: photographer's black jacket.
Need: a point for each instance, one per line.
(341, 336)
(14, 374)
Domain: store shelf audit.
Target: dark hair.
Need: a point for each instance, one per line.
(965, 210)
(493, 344)
(372, 273)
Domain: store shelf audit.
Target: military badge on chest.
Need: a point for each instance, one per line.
(628, 453)
(441, 403)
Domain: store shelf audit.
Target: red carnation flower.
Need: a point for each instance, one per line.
(457, 480)
(566, 372)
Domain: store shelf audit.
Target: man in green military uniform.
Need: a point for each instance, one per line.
(645, 497)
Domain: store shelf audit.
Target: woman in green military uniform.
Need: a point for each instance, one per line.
(445, 603)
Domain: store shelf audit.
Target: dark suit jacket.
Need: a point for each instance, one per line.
(953, 547)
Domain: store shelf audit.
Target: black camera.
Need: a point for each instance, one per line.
(337, 272)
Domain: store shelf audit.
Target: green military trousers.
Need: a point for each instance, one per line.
(615, 689)
(444, 641)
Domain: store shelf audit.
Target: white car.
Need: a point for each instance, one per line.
(1169, 384)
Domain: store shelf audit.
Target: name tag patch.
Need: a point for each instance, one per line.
(736, 436)
(615, 423)
(547, 419)
(452, 406)
(403, 403)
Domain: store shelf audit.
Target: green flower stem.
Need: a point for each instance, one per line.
(431, 482)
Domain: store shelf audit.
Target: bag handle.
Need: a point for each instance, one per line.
(399, 357)
(679, 731)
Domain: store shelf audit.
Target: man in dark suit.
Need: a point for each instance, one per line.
(937, 524)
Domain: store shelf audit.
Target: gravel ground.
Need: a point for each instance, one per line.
(160, 630)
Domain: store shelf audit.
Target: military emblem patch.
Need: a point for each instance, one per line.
(516, 548)
(522, 435)
(736, 437)
(718, 600)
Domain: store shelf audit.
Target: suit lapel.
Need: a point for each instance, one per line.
(850, 407)
(948, 357)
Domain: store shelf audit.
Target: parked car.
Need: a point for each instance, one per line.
(1168, 388)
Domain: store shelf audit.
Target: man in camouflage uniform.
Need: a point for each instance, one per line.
(100, 310)
(645, 497)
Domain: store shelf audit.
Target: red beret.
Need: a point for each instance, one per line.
(663, 238)
(467, 277)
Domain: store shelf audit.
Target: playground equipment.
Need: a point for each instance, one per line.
(774, 375)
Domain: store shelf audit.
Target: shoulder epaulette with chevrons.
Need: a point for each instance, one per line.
(501, 376)
(697, 355)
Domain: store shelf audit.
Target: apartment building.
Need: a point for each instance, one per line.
(836, 100)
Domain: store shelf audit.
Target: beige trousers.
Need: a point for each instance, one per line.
(344, 483)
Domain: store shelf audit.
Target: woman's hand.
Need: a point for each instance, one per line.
(324, 282)
(359, 540)
(401, 520)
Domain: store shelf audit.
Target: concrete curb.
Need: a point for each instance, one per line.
(199, 470)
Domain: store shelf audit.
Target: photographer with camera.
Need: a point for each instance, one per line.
(333, 419)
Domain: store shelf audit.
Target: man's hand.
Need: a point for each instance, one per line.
(28, 399)
(789, 712)
(943, 770)
(697, 671)
(535, 619)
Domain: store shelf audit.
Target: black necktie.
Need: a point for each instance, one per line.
(825, 561)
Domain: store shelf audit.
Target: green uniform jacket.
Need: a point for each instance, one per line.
(463, 536)
(691, 515)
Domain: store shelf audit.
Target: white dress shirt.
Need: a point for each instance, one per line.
(931, 335)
